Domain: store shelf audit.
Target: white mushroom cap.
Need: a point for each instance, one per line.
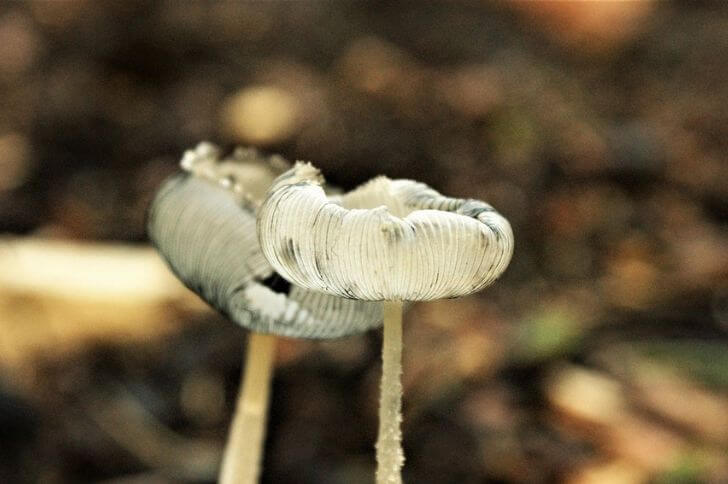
(386, 240)
(203, 223)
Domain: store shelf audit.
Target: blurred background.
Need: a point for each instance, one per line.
(600, 130)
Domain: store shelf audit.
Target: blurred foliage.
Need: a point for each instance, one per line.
(703, 360)
(550, 333)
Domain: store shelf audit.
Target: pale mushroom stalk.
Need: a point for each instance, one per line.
(202, 221)
(390, 241)
(241, 461)
(390, 456)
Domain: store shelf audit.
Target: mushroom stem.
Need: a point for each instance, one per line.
(242, 458)
(390, 456)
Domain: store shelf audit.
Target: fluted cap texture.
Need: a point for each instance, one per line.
(202, 221)
(386, 240)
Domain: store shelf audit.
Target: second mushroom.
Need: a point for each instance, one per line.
(202, 221)
(390, 241)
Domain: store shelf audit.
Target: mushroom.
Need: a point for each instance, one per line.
(390, 241)
(202, 221)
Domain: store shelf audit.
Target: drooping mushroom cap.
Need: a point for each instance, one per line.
(202, 221)
(386, 240)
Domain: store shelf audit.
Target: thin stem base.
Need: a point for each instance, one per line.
(243, 454)
(390, 456)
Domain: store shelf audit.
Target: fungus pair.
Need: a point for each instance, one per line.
(317, 268)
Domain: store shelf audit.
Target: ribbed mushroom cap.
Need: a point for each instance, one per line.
(386, 240)
(202, 221)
